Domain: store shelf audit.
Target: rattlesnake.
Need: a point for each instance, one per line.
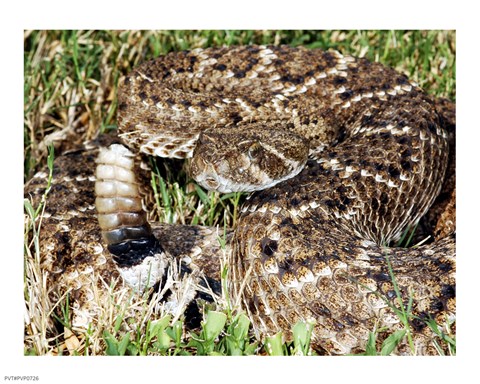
(366, 155)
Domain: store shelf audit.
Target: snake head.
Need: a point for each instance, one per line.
(247, 159)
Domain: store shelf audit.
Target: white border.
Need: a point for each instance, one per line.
(244, 14)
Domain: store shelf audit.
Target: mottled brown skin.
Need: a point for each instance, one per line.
(314, 246)
(442, 215)
(160, 98)
(339, 278)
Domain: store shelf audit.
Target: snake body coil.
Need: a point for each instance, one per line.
(312, 247)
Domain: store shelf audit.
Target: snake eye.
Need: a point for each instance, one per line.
(254, 150)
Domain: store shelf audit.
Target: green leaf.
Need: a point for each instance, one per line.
(370, 348)
(123, 344)
(250, 349)
(163, 340)
(132, 349)
(177, 332)
(202, 195)
(434, 326)
(118, 322)
(50, 158)
(274, 345)
(237, 335)
(28, 207)
(300, 333)
(392, 341)
(214, 324)
(158, 329)
(198, 343)
(111, 342)
(114, 347)
(240, 327)
(158, 325)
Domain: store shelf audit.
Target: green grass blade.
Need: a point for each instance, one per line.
(391, 342)
(371, 347)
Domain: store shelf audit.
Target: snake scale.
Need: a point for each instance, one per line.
(342, 156)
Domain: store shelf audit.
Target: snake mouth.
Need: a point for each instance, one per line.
(214, 182)
(206, 175)
(211, 183)
(243, 176)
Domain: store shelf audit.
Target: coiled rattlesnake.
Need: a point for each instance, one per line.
(362, 156)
